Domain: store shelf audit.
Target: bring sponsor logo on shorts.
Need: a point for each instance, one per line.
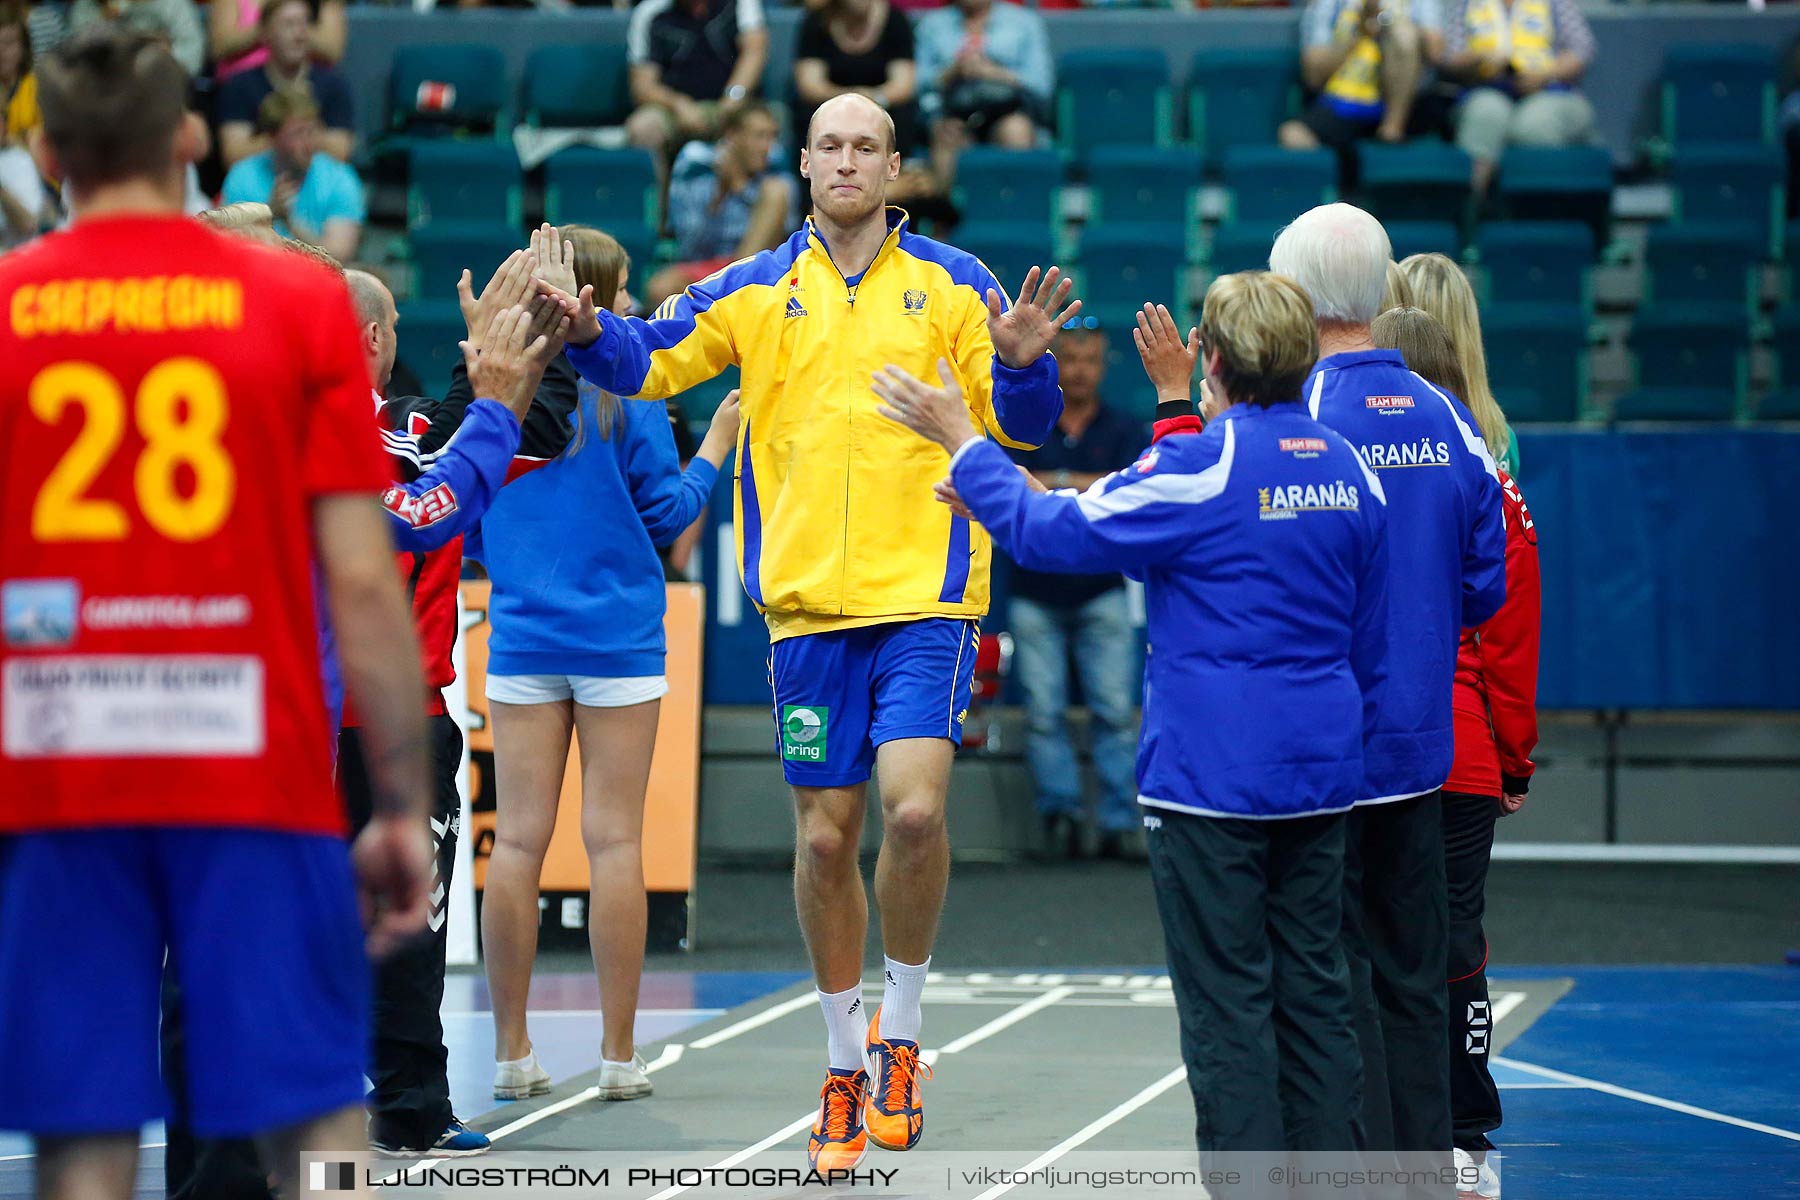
(803, 729)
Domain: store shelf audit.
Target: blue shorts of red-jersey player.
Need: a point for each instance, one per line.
(841, 694)
(263, 933)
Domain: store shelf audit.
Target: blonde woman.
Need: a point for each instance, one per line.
(1398, 293)
(577, 649)
(1441, 289)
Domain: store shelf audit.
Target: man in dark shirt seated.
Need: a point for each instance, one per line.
(287, 32)
(1053, 615)
(692, 62)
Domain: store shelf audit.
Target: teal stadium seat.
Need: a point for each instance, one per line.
(1704, 261)
(1113, 97)
(997, 184)
(1719, 93)
(1009, 248)
(1416, 181)
(1268, 183)
(576, 86)
(1537, 358)
(1558, 183)
(441, 250)
(1125, 267)
(1696, 349)
(455, 180)
(426, 342)
(1722, 182)
(601, 187)
(1242, 246)
(443, 88)
(1239, 97)
(1537, 261)
(1408, 238)
(1783, 404)
(1138, 184)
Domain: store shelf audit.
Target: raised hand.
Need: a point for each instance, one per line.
(507, 362)
(1023, 332)
(510, 285)
(555, 256)
(584, 321)
(938, 414)
(1167, 360)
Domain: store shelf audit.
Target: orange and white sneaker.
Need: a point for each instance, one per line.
(838, 1140)
(895, 1114)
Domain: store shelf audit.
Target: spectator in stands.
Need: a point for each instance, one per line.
(26, 207)
(48, 21)
(986, 75)
(235, 41)
(1439, 286)
(1521, 60)
(1057, 617)
(18, 83)
(287, 34)
(314, 198)
(692, 63)
(1365, 60)
(726, 201)
(861, 46)
(172, 20)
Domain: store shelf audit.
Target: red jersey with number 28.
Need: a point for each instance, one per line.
(172, 401)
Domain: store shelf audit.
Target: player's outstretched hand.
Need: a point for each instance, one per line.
(508, 361)
(945, 492)
(584, 322)
(721, 435)
(392, 859)
(1023, 332)
(937, 414)
(1168, 361)
(510, 285)
(555, 256)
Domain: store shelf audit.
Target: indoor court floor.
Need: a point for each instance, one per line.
(1678, 1082)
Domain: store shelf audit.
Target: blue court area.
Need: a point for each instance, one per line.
(1678, 1082)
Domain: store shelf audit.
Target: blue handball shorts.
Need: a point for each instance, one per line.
(839, 695)
(263, 933)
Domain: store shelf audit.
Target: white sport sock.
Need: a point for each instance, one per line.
(846, 1028)
(900, 1015)
(523, 1064)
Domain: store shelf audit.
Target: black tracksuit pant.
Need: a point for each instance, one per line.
(410, 1105)
(1396, 943)
(1468, 844)
(1251, 916)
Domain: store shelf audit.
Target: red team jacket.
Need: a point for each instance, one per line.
(1495, 701)
(172, 402)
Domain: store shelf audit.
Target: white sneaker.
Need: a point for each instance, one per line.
(1476, 1180)
(520, 1078)
(624, 1080)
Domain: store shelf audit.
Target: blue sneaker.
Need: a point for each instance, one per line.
(459, 1141)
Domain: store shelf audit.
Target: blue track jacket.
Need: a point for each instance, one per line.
(1446, 549)
(1262, 544)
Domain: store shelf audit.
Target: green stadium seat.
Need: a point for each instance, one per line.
(1269, 183)
(454, 180)
(426, 342)
(1408, 238)
(1537, 358)
(1113, 97)
(1783, 404)
(1704, 261)
(577, 85)
(1238, 97)
(1784, 342)
(1009, 248)
(601, 187)
(1693, 347)
(1676, 404)
(1566, 183)
(1125, 267)
(1721, 182)
(441, 250)
(1537, 260)
(994, 183)
(1417, 181)
(436, 88)
(1242, 246)
(1719, 93)
(1153, 184)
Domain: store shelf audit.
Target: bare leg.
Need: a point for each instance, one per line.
(96, 1167)
(344, 1130)
(914, 867)
(1015, 131)
(828, 886)
(1295, 136)
(948, 137)
(616, 747)
(1402, 63)
(531, 751)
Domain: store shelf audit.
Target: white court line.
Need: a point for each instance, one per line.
(1503, 1004)
(1612, 1089)
(767, 1015)
(1091, 1130)
(1004, 1021)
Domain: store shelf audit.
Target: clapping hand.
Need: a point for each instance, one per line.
(937, 414)
(1167, 360)
(507, 361)
(1023, 332)
(510, 285)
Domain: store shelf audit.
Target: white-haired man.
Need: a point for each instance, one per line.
(1447, 546)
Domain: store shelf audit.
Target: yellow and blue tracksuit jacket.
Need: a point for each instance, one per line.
(836, 523)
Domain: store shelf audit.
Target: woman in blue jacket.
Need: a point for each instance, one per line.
(577, 646)
(1262, 544)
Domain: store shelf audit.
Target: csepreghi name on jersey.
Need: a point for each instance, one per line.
(1422, 453)
(1285, 502)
